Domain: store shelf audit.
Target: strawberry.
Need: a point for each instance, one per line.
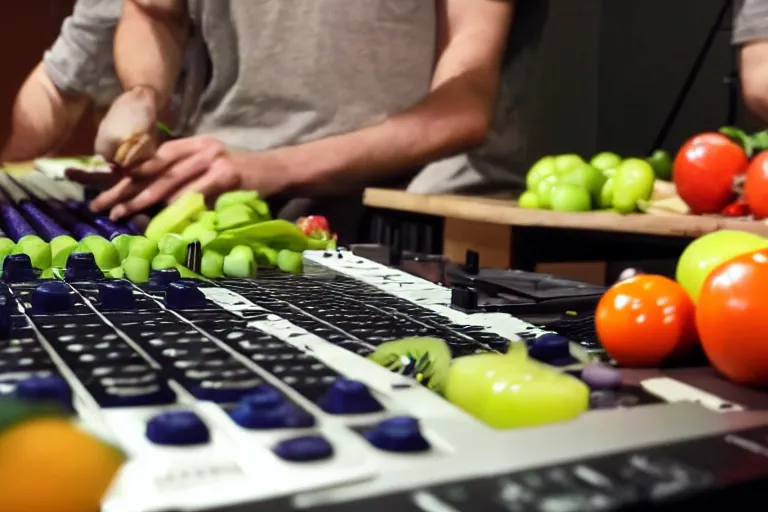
(315, 226)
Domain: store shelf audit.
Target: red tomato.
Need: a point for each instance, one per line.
(732, 318)
(736, 209)
(756, 186)
(314, 226)
(704, 171)
(645, 321)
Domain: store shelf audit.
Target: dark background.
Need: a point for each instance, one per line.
(608, 71)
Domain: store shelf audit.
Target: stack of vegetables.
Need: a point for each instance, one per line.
(235, 238)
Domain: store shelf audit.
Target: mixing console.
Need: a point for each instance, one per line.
(242, 391)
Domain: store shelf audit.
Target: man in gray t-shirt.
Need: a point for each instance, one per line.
(75, 72)
(314, 98)
(750, 33)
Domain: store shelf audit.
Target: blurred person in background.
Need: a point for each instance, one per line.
(76, 72)
(317, 100)
(750, 35)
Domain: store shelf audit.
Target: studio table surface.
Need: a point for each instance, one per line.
(506, 212)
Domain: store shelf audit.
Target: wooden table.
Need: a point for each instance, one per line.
(506, 235)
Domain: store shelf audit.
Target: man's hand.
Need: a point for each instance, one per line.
(197, 164)
(125, 133)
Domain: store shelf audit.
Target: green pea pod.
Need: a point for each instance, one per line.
(277, 234)
(740, 137)
(265, 256)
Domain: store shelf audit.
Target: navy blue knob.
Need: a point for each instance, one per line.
(266, 408)
(160, 279)
(347, 396)
(17, 268)
(177, 428)
(45, 389)
(116, 295)
(184, 294)
(401, 434)
(81, 266)
(551, 349)
(304, 449)
(51, 297)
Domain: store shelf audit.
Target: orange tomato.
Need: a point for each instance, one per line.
(732, 317)
(48, 465)
(646, 320)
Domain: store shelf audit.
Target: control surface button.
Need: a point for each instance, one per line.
(177, 428)
(464, 299)
(599, 376)
(160, 279)
(551, 349)
(51, 388)
(401, 434)
(81, 266)
(116, 295)
(472, 262)
(17, 268)
(51, 297)
(184, 294)
(304, 449)
(347, 396)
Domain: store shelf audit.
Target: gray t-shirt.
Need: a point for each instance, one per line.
(81, 59)
(283, 72)
(750, 20)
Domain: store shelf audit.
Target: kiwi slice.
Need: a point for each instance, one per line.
(425, 359)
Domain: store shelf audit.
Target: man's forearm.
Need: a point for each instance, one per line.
(452, 119)
(149, 45)
(42, 119)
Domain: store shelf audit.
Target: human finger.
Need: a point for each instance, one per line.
(163, 186)
(121, 191)
(220, 178)
(176, 150)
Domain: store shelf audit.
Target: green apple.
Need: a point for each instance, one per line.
(540, 170)
(528, 199)
(544, 189)
(632, 182)
(606, 195)
(566, 197)
(709, 251)
(661, 161)
(605, 161)
(585, 176)
(609, 173)
(566, 162)
(510, 392)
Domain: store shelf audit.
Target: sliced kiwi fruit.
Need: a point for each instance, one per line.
(425, 359)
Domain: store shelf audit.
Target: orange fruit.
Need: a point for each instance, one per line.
(49, 465)
(645, 321)
(732, 317)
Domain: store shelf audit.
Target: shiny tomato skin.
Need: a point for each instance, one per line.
(645, 321)
(756, 186)
(705, 169)
(732, 318)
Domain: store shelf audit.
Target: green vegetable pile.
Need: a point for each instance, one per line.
(237, 237)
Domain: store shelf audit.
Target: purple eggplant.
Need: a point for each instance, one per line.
(14, 223)
(47, 228)
(106, 227)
